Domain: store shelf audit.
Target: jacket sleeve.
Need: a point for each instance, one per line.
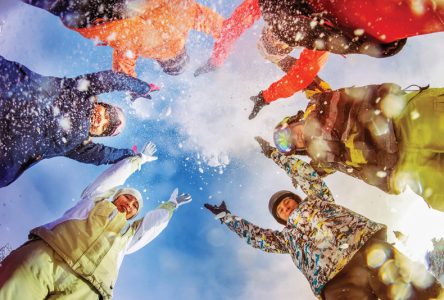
(242, 18)
(98, 154)
(109, 81)
(150, 226)
(208, 21)
(303, 175)
(267, 240)
(112, 177)
(124, 63)
(301, 74)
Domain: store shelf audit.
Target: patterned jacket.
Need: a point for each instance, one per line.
(320, 236)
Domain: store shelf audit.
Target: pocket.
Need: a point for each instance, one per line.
(438, 103)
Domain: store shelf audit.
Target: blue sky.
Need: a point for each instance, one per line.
(206, 148)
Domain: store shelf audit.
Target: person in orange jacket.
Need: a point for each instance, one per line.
(375, 28)
(159, 33)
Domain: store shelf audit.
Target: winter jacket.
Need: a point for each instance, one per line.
(159, 33)
(298, 25)
(320, 236)
(80, 14)
(93, 236)
(43, 117)
(385, 20)
(348, 130)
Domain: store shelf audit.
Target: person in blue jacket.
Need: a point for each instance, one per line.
(43, 117)
(84, 13)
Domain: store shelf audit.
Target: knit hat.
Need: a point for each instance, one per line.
(130, 191)
(275, 199)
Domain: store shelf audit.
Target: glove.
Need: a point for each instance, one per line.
(206, 68)
(259, 103)
(220, 211)
(179, 199)
(147, 154)
(153, 88)
(266, 149)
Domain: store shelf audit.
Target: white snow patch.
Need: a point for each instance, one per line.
(129, 54)
(65, 123)
(143, 108)
(83, 85)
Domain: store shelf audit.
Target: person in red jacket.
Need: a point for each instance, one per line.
(339, 27)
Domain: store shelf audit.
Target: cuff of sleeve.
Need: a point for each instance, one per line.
(168, 205)
(275, 154)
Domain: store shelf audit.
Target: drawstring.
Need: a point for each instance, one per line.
(420, 88)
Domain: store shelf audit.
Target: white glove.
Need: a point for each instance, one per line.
(148, 151)
(179, 199)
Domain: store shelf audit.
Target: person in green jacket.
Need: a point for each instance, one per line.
(78, 256)
(342, 254)
(388, 137)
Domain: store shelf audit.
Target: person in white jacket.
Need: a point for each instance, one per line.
(78, 256)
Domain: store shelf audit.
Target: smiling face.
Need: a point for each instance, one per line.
(99, 120)
(286, 207)
(127, 204)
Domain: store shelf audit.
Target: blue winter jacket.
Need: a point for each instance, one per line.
(43, 117)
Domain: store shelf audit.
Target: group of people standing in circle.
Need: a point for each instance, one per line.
(384, 135)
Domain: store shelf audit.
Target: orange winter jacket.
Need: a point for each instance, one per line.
(160, 32)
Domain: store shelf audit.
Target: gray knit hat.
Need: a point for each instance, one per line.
(133, 192)
(275, 199)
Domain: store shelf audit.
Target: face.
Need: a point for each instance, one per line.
(297, 135)
(99, 120)
(286, 207)
(127, 204)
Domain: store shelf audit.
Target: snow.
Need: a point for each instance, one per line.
(210, 112)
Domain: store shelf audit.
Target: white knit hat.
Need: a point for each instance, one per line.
(130, 191)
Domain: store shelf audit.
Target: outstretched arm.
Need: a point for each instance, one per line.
(242, 18)
(154, 222)
(125, 62)
(208, 21)
(301, 173)
(109, 81)
(304, 175)
(300, 75)
(98, 154)
(267, 240)
(118, 173)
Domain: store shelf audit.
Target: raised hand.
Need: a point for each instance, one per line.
(266, 148)
(259, 103)
(153, 88)
(148, 151)
(217, 209)
(206, 68)
(180, 199)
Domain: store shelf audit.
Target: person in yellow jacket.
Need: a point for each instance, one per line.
(78, 256)
(159, 33)
(384, 135)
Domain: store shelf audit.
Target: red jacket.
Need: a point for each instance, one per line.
(381, 16)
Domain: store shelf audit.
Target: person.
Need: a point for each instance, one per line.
(159, 33)
(78, 256)
(81, 14)
(342, 27)
(43, 117)
(342, 254)
(381, 134)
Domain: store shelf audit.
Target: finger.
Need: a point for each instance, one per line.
(259, 139)
(208, 206)
(150, 148)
